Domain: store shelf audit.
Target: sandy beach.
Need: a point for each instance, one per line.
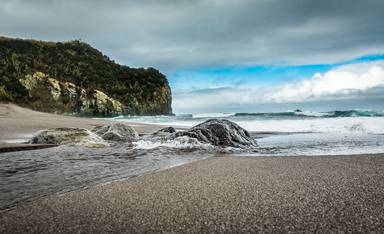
(222, 194)
(219, 194)
(18, 124)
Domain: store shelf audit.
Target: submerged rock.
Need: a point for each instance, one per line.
(68, 136)
(116, 132)
(220, 132)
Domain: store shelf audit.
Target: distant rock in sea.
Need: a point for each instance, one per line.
(219, 132)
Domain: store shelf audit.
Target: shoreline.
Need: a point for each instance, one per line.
(267, 194)
(18, 124)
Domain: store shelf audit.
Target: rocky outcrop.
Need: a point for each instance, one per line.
(67, 97)
(219, 132)
(68, 136)
(73, 77)
(116, 132)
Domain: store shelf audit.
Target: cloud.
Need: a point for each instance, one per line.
(359, 83)
(342, 81)
(175, 34)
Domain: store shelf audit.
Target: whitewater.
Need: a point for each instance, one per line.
(292, 132)
(287, 122)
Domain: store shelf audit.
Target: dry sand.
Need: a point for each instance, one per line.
(17, 123)
(222, 194)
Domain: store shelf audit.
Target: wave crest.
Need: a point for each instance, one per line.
(212, 115)
(314, 114)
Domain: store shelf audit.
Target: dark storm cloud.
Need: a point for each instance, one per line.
(170, 34)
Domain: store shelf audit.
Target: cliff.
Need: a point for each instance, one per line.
(73, 77)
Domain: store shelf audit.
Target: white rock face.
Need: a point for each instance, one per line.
(103, 100)
(69, 136)
(58, 89)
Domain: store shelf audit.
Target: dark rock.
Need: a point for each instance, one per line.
(164, 131)
(71, 136)
(116, 132)
(220, 132)
(168, 130)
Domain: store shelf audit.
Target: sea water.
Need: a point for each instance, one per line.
(295, 132)
(27, 175)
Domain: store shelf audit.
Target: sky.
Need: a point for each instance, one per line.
(228, 55)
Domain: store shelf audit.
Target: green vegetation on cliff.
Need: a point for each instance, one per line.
(76, 78)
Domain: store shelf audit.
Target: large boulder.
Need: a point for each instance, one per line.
(116, 132)
(68, 136)
(220, 132)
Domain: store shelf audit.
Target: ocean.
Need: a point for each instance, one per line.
(295, 132)
(27, 175)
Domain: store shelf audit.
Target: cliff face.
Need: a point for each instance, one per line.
(50, 94)
(73, 77)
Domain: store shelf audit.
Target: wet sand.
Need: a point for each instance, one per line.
(11, 147)
(18, 124)
(222, 194)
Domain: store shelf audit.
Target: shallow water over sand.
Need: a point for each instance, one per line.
(320, 144)
(27, 175)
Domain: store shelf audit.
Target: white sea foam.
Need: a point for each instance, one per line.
(328, 134)
(212, 115)
(178, 143)
(374, 125)
(321, 144)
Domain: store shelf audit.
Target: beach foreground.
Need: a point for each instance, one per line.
(222, 194)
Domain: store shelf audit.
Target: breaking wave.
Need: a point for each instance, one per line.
(212, 115)
(314, 114)
(287, 114)
(357, 121)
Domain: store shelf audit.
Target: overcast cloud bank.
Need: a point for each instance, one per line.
(174, 34)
